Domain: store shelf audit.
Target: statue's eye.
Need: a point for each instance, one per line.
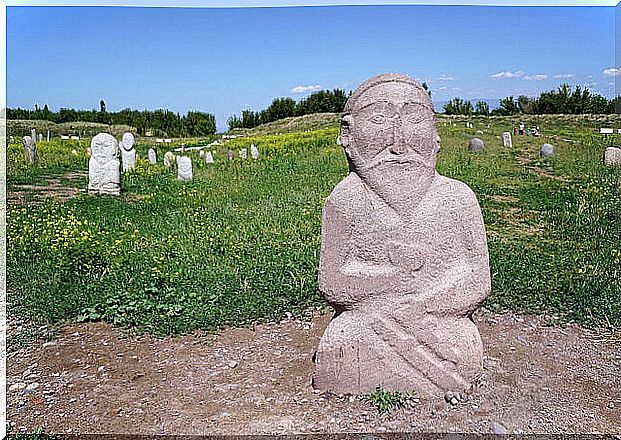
(378, 119)
(414, 118)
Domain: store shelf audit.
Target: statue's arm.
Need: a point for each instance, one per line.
(345, 280)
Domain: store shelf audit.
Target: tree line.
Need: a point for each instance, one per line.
(563, 100)
(160, 122)
(323, 101)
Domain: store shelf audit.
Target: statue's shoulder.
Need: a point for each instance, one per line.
(460, 193)
(348, 193)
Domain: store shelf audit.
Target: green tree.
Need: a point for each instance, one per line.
(481, 108)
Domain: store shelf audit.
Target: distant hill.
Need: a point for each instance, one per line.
(310, 122)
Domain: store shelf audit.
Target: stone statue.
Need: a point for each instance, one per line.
(254, 152)
(152, 154)
(184, 168)
(546, 150)
(476, 145)
(104, 175)
(128, 152)
(243, 153)
(169, 159)
(209, 157)
(404, 259)
(612, 156)
(30, 148)
(506, 140)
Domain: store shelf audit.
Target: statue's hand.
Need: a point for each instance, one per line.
(406, 257)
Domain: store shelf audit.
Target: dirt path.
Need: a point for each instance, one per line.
(94, 379)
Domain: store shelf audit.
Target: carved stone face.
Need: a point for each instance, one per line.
(390, 122)
(185, 165)
(128, 141)
(104, 148)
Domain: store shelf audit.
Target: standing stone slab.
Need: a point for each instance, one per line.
(612, 156)
(40, 137)
(506, 140)
(104, 174)
(230, 155)
(33, 135)
(546, 150)
(184, 168)
(152, 156)
(254, 152)
(209, 157)
(404, 257)
(169, 159)
(243, 153)
(476, 145)
(30, 148)
(128, 152)
(12, 139)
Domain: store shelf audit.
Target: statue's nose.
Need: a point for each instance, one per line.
(398, 142)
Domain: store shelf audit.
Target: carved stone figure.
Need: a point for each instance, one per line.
(104, 174)
(254, 152)
(546, 150)
(209, 157)
(404, 259)
(476, 145)
(169, 159)
(230, 155)
(506, 140)
(243, 153)
(612, 156)
(152, 156)
(184, 168)
(30, 148)
(128, 152)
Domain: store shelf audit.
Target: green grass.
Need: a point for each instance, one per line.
(385, 401)
(240, 243)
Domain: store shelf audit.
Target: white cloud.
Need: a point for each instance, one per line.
(507, 74)
(538, 77)
(613, 71)
(444, 78)
(564, 76)
(305, 89)
(442, 88)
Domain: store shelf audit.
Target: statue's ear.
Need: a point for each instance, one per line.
(345, 133)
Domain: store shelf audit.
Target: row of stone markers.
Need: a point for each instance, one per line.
(104, 166)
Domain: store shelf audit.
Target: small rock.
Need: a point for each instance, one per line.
(497, 428)
(448, 396)
(33, 386)
(232, 364)
(454, 401)
(100, 369)
(17, 386)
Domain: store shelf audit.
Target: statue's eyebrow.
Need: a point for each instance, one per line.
(373, 104)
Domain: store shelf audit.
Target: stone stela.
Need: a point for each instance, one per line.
(128, 152)
(404, 259)
(104, 174)
(30, 148)
(184, 168)
(506, 140)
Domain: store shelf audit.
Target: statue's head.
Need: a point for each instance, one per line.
(128, 141)
(389, 119)
(104, 148)
(184, 164)
(28, 142)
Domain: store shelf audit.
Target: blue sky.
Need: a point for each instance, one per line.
(224, 60)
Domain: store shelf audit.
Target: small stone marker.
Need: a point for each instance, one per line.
(612, 156)
(546, 150)
(254, 152)
(104, 174)
(404, 258)
(169, 159)
(152, 156)
(476, 145)
(64, 138)
(31, 149)
(606, 131)
(201, 153)
(75, 152)
(11, 139)
(75, 138)
(506, 140)
(209, 157)
(33, 136)
(167, 141)
(159, 141)
(243, 153)
(230, 155)
(40, 137)
(48, 135)
(128, 152)
(184, 168)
